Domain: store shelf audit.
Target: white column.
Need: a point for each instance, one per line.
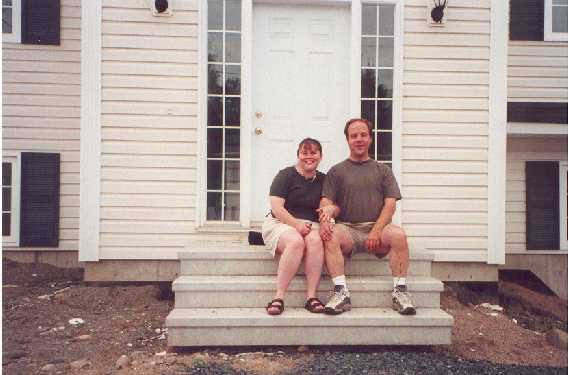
(90, 162)
(497, 152)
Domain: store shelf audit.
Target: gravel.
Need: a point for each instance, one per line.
(385, 363)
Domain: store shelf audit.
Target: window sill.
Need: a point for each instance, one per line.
(11, 38)
(538, 252)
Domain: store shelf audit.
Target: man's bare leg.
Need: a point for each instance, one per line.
(393, 237)
(339, 243)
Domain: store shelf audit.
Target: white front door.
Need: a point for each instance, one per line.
(300, 89)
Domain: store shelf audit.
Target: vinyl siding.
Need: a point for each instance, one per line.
(538, 71)
(149, 129)
(445, 130)
(520, 150)
(41, 110)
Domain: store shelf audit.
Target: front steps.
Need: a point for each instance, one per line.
(224, 286)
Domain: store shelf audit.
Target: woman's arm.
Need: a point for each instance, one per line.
(282, 214)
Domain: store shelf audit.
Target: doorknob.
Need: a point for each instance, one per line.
(258, 115)
(258, 131)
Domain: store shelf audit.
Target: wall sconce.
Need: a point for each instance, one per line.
(436, 12)
(161, 8)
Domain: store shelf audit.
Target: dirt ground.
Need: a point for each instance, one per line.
(39, 301)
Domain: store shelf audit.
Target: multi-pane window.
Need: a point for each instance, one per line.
(223, 109)
(7, 12)
(7, 209)
(556, 20)
(559, 16)
(377, 63)
(563, 205)
(11, 14)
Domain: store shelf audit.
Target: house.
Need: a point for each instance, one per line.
(135, 129)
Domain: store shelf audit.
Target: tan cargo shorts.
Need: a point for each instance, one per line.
(359, 233)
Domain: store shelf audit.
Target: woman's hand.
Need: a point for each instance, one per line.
(326, 229)
(303, 228)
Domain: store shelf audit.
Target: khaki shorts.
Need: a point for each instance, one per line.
(359, 233)
(272, 229)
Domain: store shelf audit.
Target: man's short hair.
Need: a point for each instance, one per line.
(354, 120)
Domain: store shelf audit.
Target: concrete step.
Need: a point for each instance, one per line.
(296, 326)
(231, 258)
(257, 291)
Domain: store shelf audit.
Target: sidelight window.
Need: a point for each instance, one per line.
(223, 110)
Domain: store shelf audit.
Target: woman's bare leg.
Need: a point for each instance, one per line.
(291, 248)
(313, 262)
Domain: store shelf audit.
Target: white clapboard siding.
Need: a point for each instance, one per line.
(146, 121)
(537, 71)
(443, 192)
(41, 111)
(445, 115)
(149, 69)
(149, 128)
(450, 129)
(520, 150)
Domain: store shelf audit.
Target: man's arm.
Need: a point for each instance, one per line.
(373, 242)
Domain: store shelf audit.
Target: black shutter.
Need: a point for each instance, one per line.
(39, 207)
(543, 221)
(41, 21)
(538, 112)
(526, 20)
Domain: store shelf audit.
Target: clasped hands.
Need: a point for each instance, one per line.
(372, 243)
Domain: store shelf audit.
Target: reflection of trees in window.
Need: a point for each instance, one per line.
(368, 83)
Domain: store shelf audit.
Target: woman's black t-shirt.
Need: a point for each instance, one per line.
(302, 195)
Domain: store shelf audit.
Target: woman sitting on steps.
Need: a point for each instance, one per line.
(292, 229)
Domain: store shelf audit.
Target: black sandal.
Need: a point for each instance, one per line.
(312, 304)
(279, 305)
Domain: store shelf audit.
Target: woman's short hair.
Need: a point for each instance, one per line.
(309, 142)
(354, 120)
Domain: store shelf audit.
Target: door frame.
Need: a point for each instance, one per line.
(247, 33)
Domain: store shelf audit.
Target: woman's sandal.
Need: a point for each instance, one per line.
(312, 305)
(277, 303)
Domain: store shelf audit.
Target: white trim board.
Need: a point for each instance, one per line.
(497, 158)
(530, 128)
(90, 164)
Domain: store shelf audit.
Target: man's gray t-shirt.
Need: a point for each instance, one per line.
(359, 189)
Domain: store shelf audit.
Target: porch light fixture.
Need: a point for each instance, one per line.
(436, 12)
(161, 8)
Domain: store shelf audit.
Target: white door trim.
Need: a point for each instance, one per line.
(90, 160)
(497, 153)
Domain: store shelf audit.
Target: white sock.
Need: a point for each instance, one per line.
(398, 281)
(340, 280)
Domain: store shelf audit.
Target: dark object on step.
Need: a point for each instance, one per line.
(255, 238)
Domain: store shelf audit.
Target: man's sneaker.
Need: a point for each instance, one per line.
(340, 301)
(401, 301)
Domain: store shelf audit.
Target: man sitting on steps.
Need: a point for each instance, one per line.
(363, 193)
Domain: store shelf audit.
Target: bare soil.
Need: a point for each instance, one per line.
(39, 301)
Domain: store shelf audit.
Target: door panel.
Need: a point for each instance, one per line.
(300, 89)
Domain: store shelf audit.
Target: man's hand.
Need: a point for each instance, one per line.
(373, 241)
(325, 213)
(326, 230)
